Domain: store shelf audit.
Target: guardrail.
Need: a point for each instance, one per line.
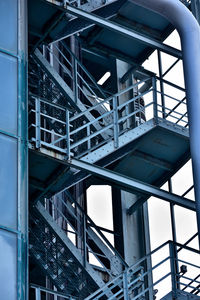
(52, 126)
(75, 74)
(38, 292)
(169, 275)
(172, 279)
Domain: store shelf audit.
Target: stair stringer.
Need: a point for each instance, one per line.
(75, 252)
(116, 265)
(78, 105)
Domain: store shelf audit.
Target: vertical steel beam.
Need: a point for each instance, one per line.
(115, 121)
(173, 224)
(173, 269)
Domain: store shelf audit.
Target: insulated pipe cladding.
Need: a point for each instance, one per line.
(188, 28)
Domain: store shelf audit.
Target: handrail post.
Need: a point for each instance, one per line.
(84, 241)
(155, 104)
(37, 121)
(161, 84)
(75, 79)
(173, 268)
(88, 136)
(37, 293)
(115, 122)
(67, 135)
(125, 285)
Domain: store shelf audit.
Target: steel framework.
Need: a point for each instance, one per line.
(61, 133)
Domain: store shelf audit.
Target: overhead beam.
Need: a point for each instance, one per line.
(132, 185)
(124, 31)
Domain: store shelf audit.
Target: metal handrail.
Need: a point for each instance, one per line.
(109, 99)
(84, 69)
(174, 277)
(100, 129)
(38, 289)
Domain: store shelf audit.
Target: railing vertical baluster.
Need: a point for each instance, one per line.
(161, 84)
(173, 269)
(142, 278)
(115, 122)
(125, 285)
(37, 294)
(128, 119)
(67, 135)
(88, 135)
(155, 104)
(37, 120)
(75, 79)
(84, 241)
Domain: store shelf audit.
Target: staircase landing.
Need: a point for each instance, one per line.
(181, 295)
(151, 153)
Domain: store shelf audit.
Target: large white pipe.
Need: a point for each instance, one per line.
(189, 32)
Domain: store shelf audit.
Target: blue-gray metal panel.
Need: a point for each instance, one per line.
(141, 15)
(158, 152)
(8, 263)
(8, 180)
(8, 28)
(8, 93)
(118, 42)
(36, 23)
(165, 144)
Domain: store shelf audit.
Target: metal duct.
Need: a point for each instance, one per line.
(189, 32)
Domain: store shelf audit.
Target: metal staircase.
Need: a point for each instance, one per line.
(58, 258)
(50, 241)
(74, 126)
(99, 132)
(77, 91)
(51, 252)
